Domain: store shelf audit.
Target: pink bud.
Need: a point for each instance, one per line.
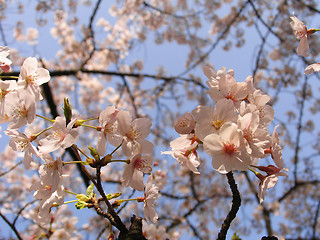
(184, 124)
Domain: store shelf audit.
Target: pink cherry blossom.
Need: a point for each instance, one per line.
(62, 136)
(184, 124)
(276, 150)
(211, 120)
(133, 173)
(266, 182)
(6, 91)
(151, 194)
(31, 77)
(228, 87)
(20, 142)
(51, 171)
(109, 127)
(226, 150)
(301, 32)
(315, 67)
(134, 134)
(184, 151)
(23, 109)
(47, 198)
(255, 137)
(4, 61)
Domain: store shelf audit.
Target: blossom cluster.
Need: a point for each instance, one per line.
(234, 132)
(19, 100)
(302, 33)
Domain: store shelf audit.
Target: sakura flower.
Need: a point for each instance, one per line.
(228, 87)
(184, 151)
(133, 173)
(211, 120)
(6, 92)
(4, 61)
(134, 134)
(31, 77)
(184, 124)
(47, 198)
(108, 121)
(20, 142)
(51, 171)
(152, 232)
(266, 182)
(301, 32)
(62, 136)
(258, 102)
(226, 151)
(255, 137)
(275, 149)
(312, 68)
(151, 194)
(23, 109)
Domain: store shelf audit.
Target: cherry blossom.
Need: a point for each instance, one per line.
(184, 124)
(184, 151)
(266, 182)
(315, 67)
(20, 142)
(151, 194)
(51, 171)
(133, 173)
(4, 61)
(62, 136)
(31, 77)
(7, 90)
(109, 127)
(228, 87)
(226, 150)
(211, 120)
(134, 134)
(301, 32)
(22, 109)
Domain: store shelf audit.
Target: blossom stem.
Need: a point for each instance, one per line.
(82, 162)
(71, 201)
(236, 202)
(116, 149)
(89, 126)
(10, 77)
(45, 118)
(71, 193)
(86, 120)
(39, 133)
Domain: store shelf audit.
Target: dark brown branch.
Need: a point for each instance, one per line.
(12, 226)
(236, 202)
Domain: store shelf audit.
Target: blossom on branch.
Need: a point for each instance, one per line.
(315, 67)
(134, 134)
(226, 150)
(109, 127)
(31, 77)
(133, 173)
(151, 194)
(4, 61)
(301, 32)
(20, 142)
(61, 138)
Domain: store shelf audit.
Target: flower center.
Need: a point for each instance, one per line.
(229, 148)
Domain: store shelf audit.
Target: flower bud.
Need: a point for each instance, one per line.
(185, 124)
